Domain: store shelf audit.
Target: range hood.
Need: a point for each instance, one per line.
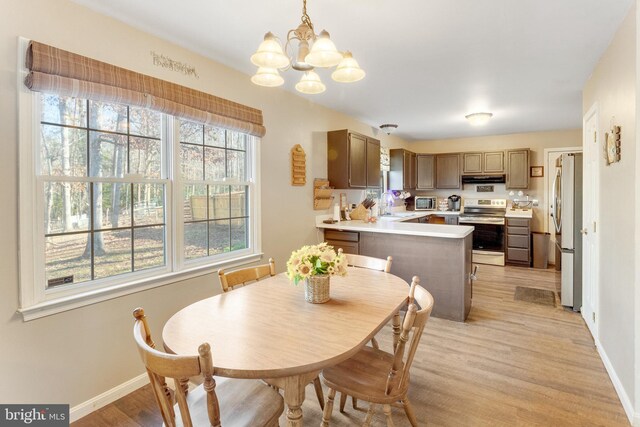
(483, 179)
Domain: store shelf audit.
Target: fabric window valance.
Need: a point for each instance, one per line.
(69, 74)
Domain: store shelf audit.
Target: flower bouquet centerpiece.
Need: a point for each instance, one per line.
(315, 265)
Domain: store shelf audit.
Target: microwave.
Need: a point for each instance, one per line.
(425, 203)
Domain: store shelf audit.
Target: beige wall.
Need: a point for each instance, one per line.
(74, 356)
(613, 87)
(536, 141)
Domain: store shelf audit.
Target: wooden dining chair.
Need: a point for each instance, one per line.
(379, 264)
(244, 276)
(241, 403)
(379, 377)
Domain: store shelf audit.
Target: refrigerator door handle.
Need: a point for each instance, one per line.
(556, 201)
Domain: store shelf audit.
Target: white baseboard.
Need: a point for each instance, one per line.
(109, 396)
(634, 418)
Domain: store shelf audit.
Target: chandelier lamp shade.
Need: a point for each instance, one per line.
(304, 51)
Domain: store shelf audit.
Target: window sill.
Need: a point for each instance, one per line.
(59, 305)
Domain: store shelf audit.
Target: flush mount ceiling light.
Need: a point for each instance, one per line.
(313, 51)
(478, 119)
(389, 128)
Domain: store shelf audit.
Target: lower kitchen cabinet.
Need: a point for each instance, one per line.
(518, 241)
(348, 241)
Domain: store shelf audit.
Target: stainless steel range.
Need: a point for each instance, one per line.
(487, 218)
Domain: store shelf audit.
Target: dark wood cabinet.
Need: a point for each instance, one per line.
(425, 172)
(402, 175)
(518, 241)
(373, 162)
(448, 171)
(517, 169)
(353, 160)
(348, 241)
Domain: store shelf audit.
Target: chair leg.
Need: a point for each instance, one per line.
(343, 400)
(369, 418)
(354, 402)
(387, 412)
(328, 408)
(408, 409)
(318, 386)
(374, 343)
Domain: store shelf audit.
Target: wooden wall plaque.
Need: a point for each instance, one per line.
(298, 165)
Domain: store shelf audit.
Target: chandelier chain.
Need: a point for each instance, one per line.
(305, 18)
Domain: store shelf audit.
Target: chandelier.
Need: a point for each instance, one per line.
(312, 51)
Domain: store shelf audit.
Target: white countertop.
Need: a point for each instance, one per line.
(519, 213)
(396, 225)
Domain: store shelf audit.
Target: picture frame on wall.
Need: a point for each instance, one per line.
(536, 171)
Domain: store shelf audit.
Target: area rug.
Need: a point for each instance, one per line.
(535, 295)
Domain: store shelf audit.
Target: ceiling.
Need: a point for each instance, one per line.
(428, 62)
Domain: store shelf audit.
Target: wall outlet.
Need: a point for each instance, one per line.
(535, 202)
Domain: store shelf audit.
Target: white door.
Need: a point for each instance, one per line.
(551, 155)
(590, 235)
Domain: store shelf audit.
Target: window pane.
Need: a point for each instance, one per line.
(64, 110)
(66, 207)
(109, 117)
(214, 163)
(195, 202)
(145, 157)
(190, 132)
(107, 154)
(68, 255)
(191, 162)
(219, 236)
(115, 204)
(112, 253)
(239, 200)
(145, 122)
(236, 140)
(148, 204)
(214, 136)
(195, 240)
(63, 151)
(236, 165)
(219, 202)
(239, 234)
(148, 247)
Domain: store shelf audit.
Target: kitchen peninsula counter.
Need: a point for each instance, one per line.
(439, 254)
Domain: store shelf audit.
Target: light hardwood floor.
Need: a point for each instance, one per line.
(511, 364)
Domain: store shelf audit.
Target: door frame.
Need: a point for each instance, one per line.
(592, 149)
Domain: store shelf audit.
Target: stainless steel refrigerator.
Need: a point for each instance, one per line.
(566, 211)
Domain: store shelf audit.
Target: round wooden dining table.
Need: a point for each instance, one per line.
(267, 330)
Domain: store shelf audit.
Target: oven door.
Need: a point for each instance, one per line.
(488, 237)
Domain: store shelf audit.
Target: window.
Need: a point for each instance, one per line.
(102, 180)
(103, 189)
(215, 190)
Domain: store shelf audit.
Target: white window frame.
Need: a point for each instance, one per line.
(35, 300)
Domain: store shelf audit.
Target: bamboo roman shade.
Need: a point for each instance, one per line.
(59, 71)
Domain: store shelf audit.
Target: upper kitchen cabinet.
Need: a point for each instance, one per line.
(481, 163)
(493, 162)
(402, 175)
(448, 171)
(518, 169)
(353, 160)
(426, 172)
